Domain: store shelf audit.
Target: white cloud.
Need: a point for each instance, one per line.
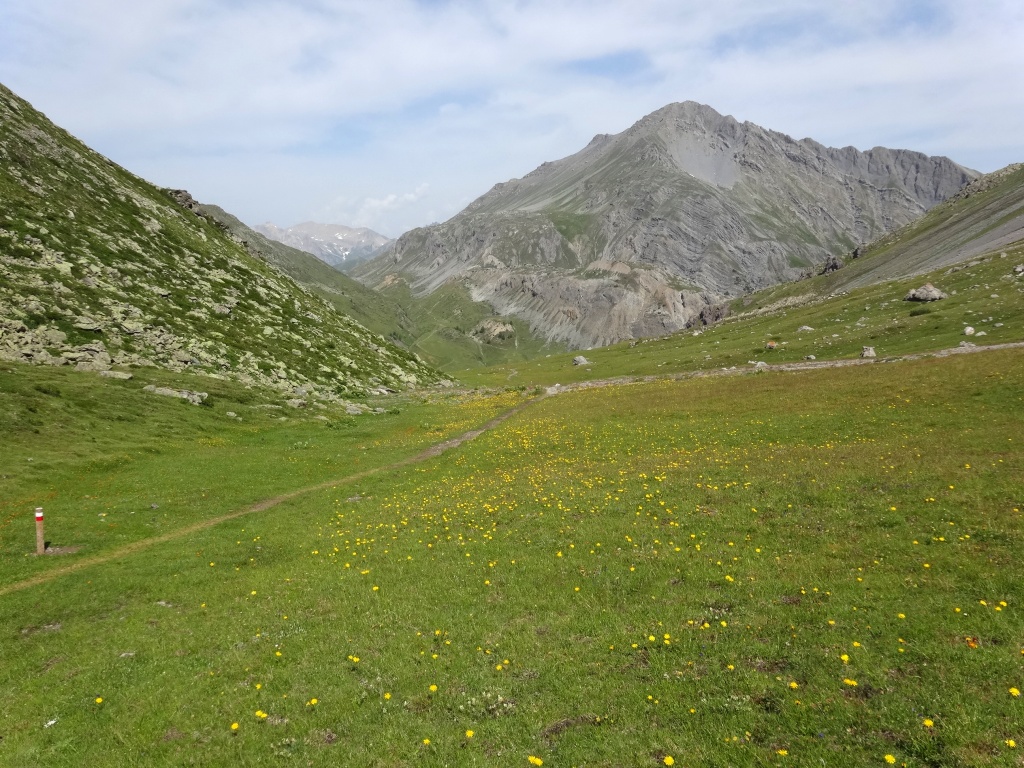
(281, 109)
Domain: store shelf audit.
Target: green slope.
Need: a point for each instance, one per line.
(100, 268)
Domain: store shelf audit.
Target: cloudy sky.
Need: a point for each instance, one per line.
(396, 113)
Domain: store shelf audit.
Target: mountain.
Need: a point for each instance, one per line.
(983, 222)
(447, 329)
(984, 216)
(350, 297)
(341, 247)
(653, 229)
(100, 268)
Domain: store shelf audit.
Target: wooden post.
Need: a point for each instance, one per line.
(40, 536)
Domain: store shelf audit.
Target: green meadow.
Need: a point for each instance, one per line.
(781, 568)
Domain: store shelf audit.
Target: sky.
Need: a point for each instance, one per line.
(393, 114)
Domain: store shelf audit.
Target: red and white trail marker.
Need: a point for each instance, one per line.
(40, 536)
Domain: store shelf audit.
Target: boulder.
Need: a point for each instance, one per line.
(88, 324)
(580, 360)
(185, 394)
(926, 292)
(969, 331)
(868, 352)
(832, 263)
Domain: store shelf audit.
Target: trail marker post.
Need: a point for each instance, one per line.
(40, 536)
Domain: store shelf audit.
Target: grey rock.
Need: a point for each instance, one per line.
(353, 410)
(804, 328)
(88, 324)
(580, 360)
(810, 357)
(832, 264)
(122, 375)
(967, 345)
(1019, 269)
(491, 330)
(195, 398)
(867, 352)
(296, 403)
(926, 292)
(132, 327)
(968, 331)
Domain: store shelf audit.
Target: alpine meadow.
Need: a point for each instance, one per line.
(700, 447)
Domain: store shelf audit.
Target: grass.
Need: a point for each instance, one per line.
(111, 464)
(695, 570)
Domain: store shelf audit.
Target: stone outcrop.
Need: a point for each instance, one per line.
(926, 292)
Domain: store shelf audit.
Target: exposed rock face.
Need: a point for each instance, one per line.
(340, 246)
(638, 232)
(926, 292)
(491, 330)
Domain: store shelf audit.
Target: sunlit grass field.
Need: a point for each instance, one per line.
(821, 567)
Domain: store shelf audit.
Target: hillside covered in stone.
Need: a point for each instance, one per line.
(100, 269)
(651, 230)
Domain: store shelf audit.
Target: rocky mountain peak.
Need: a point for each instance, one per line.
(684, 208)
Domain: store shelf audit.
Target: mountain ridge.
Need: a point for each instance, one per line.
(336, 244)
(640, 232)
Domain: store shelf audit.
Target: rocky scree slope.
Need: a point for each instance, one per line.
(340, 246)
(984, 216)
(98, 268)
(651, 230)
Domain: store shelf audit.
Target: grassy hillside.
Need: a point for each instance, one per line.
(348, 296)
(445, 322)
(98, 268)
(985, 294)
(792, 568)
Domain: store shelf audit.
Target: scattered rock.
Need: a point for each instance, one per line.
(760, 365)
(121, 375)
(981, 333)
(832, 263)
(353, 410)
(87, 324)
(867, 352)
(804, 329)
(580, 360)
(967, 345)
(926, 292)
(1018, 270)
(491, 330)
(231, 415)
(296, 403)
(810, 357)
(185, 394)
